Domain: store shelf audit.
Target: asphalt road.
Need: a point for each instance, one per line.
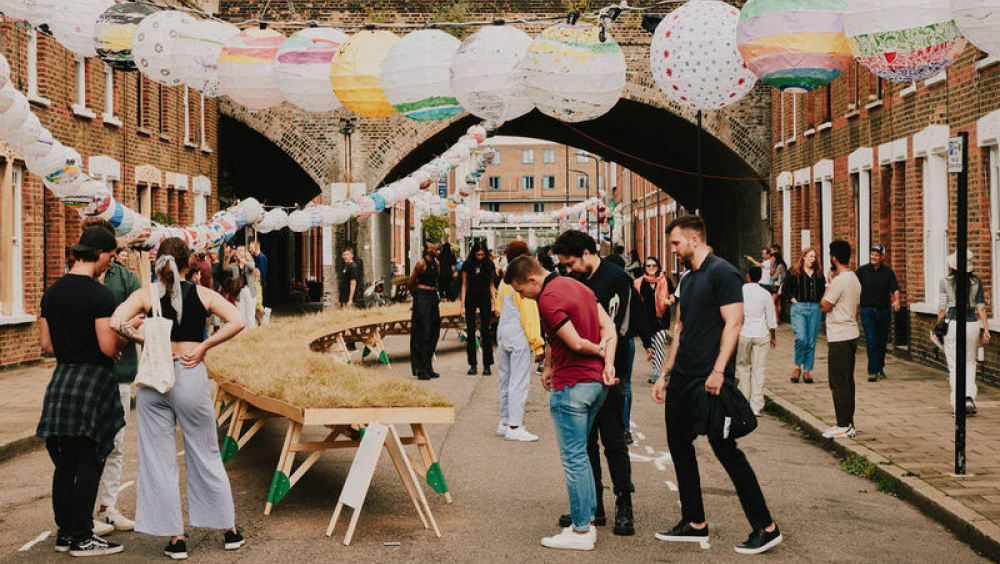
(507, 496)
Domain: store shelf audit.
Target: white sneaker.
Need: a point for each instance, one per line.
(839, 432)
(101, 528)
(520, 434)
(502, 429)
(115, 518)
(569, 540)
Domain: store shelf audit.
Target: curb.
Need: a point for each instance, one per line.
(982, 534)
(20, 446)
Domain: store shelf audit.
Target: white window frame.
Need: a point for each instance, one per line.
(187, 116)
(582, 181)
(34, 95)
(16, 313)
(538, 207)
(548, 182)
(494, 180)
(823, 175)
(860, 162)
(527, 156)
(785, 186)
(931, 144)
(80, 84)
(988, 136)
(526, 180)
(201, 187)
(548, 156)
(109, 116)
(201, 127)
(582, 156)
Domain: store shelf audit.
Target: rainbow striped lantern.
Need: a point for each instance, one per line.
(794, 45)
(979, 22)
(302, 67)
(356, 73)
(113, 33)
(416, 77)
(246, 68)
(573, 76)
(903, 40)
(153, 43)
(196, 54)
(487, 74)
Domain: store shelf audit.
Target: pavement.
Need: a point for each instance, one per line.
(509, 495)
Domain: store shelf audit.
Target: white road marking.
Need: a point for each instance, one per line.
(640, 436)
(27, 546)
(649, 450)
(126, 485)
(672, 486)
(660, 460)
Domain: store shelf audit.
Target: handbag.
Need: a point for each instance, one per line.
(156, 363)
(939, 332)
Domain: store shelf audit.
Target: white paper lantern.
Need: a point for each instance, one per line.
(573, 76)
(487, 74)
(25, 134)
(694, 59)
(979, 22)
(416, 76)
(113, 33)
(246, 68)
(299, 221)
(302, 67)
(196, 54)
(14, 9)
(74, 23)
(14, 115)
(4, 71)
(153, 43)
(40, 12)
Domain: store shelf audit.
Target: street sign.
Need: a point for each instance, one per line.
(443, 187)
(956, 150)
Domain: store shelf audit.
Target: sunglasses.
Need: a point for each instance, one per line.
(650, 266)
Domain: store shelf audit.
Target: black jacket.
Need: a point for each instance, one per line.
(726, 416)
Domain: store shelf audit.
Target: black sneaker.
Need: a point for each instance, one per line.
(62, 544)
(472, 371)
(881, 374)
(760, 541)
(628, 438)
(424, 376)
(177, 550)
(435, 374)
(970, 406)
(94, 546)
(233, 540)
(684, 532)
(600, 519)
(486, 371)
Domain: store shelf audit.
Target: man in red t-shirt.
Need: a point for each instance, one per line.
(579, 364)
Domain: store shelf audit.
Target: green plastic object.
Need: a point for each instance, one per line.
(478, 344)
(229, 449)
(279, 487)
(383, 357)
(435, 479)
(361, 433)
(367, 351)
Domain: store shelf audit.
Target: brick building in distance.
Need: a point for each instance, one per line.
(864, 160)
(154, 145)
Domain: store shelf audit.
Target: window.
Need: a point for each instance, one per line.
(527, 182)
(494, 183)
(582, 156)
(11, 258)
(187, 115)
(33, 92)
(930, 145)
(80, 98)
(548, 182)
(549, 156)
(994, 175)
(109, 97)
(140, 102)
(527, 156)
(582, 181)
(853, 86)
(202, 189)
(204, 139)
(496, 157)
(538, 207)
(163, 95)
(493, 207)
(827, 105)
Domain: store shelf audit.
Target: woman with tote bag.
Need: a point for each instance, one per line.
(187, 401)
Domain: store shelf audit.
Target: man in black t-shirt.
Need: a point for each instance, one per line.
(878, 287)
(707, 330)
(350, 278)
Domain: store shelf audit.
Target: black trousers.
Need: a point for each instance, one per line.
(841, 358)
(425, 330)
(680, 440)
(481, 308)
(74, 484)
(611, 427)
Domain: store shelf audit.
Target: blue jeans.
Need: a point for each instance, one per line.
(876, 325)
(626, 378)
(573, 411)
(806, 321)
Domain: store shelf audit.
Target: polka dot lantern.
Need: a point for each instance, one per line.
(153, 42)
(487, 74)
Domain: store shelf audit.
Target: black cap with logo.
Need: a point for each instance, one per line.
(95, 238)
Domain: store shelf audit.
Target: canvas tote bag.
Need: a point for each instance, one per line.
(156, 364)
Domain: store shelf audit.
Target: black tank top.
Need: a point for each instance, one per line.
(429, 277)
(192, 327)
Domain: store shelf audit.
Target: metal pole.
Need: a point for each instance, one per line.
(961, 303)
(701, 181)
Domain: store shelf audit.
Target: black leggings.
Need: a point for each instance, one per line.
(74, 484)
(425, 329)
(485, 310)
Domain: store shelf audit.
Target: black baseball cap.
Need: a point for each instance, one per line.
(95, 238)
(878, 249)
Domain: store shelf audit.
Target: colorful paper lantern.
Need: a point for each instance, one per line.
(794, 45)
(74, 23)
(573, 76)
(979, 22)
(302, 67)
(113, 33)
(416, 76)
(903, 40)
(153, 43)
(246, 68)
(693, 56)
(356, 73)
(196, 54)
(487, 74)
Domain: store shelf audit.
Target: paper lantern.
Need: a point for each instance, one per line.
(246, 68)
(299, 221)
(903, 40)
(693, 56)
(153, 43)
(40, 12)
(113, 33)
(196, 54)
(14, 9)
(14, 114)
(416, 77)
(487, 74)
(74, 23)
(356, 73)
(794, 45)
(571, 75)
(302, 67)
(4, 71)
(61, 170)
(979, 22)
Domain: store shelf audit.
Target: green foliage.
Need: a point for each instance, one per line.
(581, 6)
(889, 485)
(435, 227)
(859, 466)
(457, 11)
(163, 218)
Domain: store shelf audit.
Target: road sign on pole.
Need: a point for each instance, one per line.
(958, 164)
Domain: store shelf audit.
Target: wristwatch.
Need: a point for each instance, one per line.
(601, 347)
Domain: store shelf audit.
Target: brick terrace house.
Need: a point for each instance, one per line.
(864, 159)
(155, 145)
(644, 222)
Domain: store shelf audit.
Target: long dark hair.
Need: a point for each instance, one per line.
(177, 248)
(476, 247)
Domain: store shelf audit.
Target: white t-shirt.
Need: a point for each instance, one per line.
(845, 295)
(758, 312)
(765, 272)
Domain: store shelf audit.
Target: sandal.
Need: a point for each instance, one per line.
(806, 377)
(795, 375)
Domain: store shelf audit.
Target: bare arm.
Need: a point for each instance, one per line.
(981, 314)
(108, 340)
(547, 369)
(418, 269)
(659, 388)
(825, 306)
(216, 304)
(46, 338)
(569, 335)
(137, 302)
(753, 261)
(732, 314)
(350, 294)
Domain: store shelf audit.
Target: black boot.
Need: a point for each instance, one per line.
(624, 520)
(600, 520)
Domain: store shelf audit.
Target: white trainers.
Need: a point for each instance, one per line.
(502, 429)
(839, 432)
(570, 540)
(520, 434)
(115, 518)
(101, 528)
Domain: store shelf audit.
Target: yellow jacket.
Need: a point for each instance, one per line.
(528, 309)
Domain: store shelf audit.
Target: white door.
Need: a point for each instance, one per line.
(786, 225)
(864, 216)
(826, 195)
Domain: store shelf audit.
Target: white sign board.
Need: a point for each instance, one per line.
(327, 245)
(363, 467)
(806, 239)
(956, 151)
